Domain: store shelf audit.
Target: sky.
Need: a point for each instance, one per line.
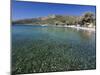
(24, 10)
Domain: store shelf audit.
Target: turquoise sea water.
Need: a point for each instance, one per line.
(37, 49)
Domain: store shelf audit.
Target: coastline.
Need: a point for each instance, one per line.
(79, 27)
(66, 26)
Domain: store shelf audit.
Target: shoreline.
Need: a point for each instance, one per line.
(79, 27)
(66, 26)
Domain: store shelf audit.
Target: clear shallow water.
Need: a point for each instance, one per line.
(48, 49)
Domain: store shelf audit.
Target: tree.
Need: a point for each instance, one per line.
(87, 18)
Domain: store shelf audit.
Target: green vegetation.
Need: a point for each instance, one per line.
(87, 18)
(83, 20)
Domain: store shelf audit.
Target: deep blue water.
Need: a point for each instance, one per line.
(48, 49)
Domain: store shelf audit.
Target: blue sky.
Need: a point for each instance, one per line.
(23, 10)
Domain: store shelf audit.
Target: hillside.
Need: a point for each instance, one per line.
(60, 20)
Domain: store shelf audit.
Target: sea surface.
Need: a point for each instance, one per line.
(37, 49)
